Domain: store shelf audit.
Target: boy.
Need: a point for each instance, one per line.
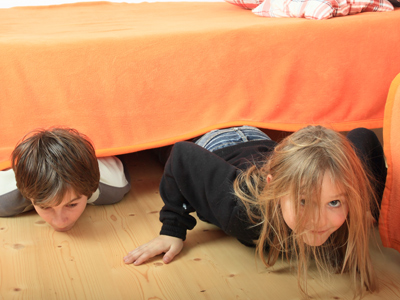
(56, 172)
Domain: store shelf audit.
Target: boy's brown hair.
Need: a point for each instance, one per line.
(50, 162)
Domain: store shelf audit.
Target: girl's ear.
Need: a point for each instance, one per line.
(269, 178)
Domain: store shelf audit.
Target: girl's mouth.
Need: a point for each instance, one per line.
(318, 231)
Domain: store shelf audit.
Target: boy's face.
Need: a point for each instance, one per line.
(63, 216)
(329, 218)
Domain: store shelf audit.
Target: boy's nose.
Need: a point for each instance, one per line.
(60, 221)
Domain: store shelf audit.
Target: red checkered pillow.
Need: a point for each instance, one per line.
(319, 9)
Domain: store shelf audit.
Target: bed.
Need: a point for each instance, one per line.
(138, 76)
(135, 76)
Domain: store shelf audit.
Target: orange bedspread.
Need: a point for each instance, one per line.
(136, 76)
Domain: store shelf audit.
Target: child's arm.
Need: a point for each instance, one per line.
(114, 182)
(194, 180)
(11, 201)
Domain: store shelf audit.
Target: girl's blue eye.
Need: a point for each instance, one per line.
(334, 203)
(72, 205)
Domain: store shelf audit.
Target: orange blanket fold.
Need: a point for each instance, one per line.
(389, 224)
(137, 76)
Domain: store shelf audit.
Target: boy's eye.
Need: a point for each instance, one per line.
(302, 202)
(334, 203)
(44, 207)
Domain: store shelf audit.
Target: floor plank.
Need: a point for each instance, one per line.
(86, 263)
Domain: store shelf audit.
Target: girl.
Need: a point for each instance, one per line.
(308, 196)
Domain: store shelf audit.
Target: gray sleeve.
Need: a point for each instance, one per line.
(11, 200)
(114, 182)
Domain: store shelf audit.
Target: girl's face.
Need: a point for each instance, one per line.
(63, 216)
(327, 218)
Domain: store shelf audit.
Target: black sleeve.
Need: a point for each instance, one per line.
(370, 151)
(196, 180)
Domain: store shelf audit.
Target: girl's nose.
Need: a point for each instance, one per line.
(319, 217)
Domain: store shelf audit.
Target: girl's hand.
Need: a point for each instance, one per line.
(169, 245)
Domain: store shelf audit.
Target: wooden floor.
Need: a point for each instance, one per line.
(86, 263)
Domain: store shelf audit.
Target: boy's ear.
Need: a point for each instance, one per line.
(269, 178)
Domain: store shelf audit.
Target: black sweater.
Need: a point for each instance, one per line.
(197, 180)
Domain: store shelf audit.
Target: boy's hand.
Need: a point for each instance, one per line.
(169, 245)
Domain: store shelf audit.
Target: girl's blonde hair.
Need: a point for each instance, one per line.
(297, 166)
